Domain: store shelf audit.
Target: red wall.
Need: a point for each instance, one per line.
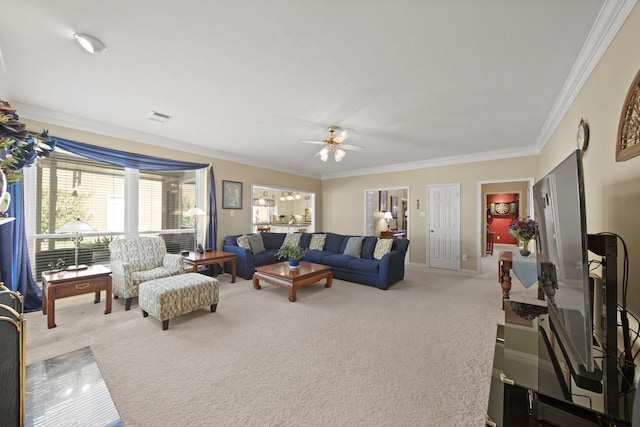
(499, 224)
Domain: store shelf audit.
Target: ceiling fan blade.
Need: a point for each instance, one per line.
(343, 135)
(310, 142)
(352, 147)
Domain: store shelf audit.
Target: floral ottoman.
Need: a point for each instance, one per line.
(174, 296)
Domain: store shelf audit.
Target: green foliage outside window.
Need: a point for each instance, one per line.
(68, 208)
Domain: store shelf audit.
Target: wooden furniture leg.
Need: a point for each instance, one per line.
(504, 277)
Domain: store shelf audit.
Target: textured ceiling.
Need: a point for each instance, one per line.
(418, 81)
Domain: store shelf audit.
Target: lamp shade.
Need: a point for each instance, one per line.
(388, 216)
(194, 212)
(75, 226)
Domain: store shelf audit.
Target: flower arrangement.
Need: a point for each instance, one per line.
(523, 229)
(19, 147)
(291, 252)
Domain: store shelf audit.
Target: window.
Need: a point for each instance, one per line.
(66, 187)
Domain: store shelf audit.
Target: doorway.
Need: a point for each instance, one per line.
(390, 201)
(520, 186)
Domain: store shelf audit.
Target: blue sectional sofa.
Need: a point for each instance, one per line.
(367, 270)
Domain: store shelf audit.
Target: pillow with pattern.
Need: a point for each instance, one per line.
(292, 239)
(243, 241)
(383, 246)
(317, 241)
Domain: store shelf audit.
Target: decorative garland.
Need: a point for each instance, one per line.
(19, 147)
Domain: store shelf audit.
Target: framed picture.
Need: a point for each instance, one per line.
(383, 200)
(394, 207)
(231, 195)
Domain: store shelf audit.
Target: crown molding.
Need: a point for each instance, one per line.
(442, 161)
(609, 21)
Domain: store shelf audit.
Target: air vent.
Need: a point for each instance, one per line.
(158, 117)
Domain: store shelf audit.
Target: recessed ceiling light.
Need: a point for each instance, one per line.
(90, 43)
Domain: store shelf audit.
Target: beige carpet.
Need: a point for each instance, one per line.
(419, 354)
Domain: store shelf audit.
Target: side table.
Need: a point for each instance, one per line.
(505, 264)
(213, 258)
(60, 284)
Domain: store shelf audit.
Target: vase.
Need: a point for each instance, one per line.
(5, 197)
(524, 250)
(294, 263)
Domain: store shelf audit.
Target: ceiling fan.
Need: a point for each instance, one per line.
(334, 144)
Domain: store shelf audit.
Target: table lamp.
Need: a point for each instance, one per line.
(195, 213)
(388, 217)
(76, 227)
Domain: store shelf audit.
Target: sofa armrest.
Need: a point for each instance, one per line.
(173, 263)
(391, 268)
(121, 279)
(244, 260)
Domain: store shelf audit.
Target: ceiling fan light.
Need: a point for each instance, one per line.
(340, 153)
(90, 43)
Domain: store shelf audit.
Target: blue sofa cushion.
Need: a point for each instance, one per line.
(305, 240)
(315, 256)
(368, 246)
(273, 240)
(334, 243)
(364, 265)
(337, 260)
(265, 258)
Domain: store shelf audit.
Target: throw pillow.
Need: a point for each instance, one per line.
(317, 241)
(354, 246)
(292, 239)
(383, 246)
(368, 246)
(243, 241)
(256, 243)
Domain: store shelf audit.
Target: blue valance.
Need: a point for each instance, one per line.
(125, 159)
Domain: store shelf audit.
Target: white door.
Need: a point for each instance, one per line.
(444, 226)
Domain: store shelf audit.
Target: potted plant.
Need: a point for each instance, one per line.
(292, 253)
(523, 230)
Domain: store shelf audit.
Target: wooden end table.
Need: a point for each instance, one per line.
(505, 263)
(212, 257)
(281, 275)
(67, 283)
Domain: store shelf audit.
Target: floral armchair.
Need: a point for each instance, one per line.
(140, 259)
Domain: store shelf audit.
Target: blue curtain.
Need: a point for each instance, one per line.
(14, 252)
(212, 221)
(124, 159)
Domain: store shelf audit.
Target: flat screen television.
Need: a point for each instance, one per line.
(562, 258)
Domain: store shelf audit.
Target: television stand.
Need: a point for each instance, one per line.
(530, 384)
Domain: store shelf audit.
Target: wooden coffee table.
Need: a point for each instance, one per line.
(281, 275)
(65, 283)
(212, 257)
